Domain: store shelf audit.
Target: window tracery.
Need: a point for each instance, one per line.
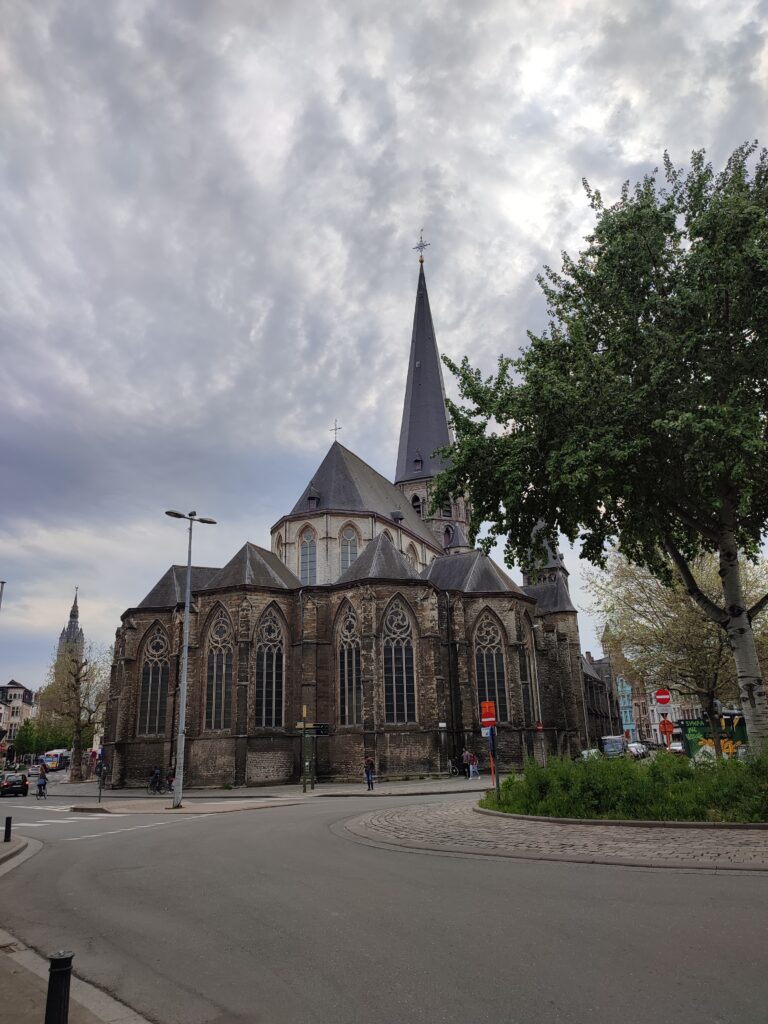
(218, 694)
(269, 671)
(155, 672)
(350, 679)
(399, 676)
(489, 666)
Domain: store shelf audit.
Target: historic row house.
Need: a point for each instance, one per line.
(371, 610)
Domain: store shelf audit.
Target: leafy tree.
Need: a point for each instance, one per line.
(667, 640)
(75, 697)
(640, 414)
(26, 738)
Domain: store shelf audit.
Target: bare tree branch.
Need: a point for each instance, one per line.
(757, 607)
(712, 610)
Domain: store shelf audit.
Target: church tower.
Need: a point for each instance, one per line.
(425, 428)
(72, 639)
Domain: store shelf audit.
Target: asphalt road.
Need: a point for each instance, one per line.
(272, 915)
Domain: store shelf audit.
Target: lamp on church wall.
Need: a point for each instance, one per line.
(178, 783)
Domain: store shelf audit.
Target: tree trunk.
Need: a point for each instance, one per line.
(742, 640)
(76, 772)
(714, 724)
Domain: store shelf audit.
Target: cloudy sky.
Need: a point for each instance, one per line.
(207, 219)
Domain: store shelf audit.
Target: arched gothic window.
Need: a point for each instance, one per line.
(447, 537)
(269, 672)
(418, 505)
(412, 555)
(279, 547)
(388, 535)
(218, 694)
(348, 547)
(154, 684)
(308, 558)
(350, 680)
(489, 666)
(399, 678)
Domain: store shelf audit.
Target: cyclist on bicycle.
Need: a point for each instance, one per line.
(42, 782)
(154, 780)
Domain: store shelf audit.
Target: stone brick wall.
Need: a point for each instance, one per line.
(443, 634)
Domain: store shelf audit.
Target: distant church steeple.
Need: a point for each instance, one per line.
(72, 638)
(425, 426)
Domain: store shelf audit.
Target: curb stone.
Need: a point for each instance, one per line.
(13, 848)
(625, 822)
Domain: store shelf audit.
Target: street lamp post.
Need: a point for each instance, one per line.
(178, 782)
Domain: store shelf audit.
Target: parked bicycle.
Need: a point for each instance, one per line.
(454, 768)
(156, 787)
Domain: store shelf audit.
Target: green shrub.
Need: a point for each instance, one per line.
(667, 788)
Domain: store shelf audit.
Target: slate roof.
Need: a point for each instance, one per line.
(425, 420)
(255, 567)
(471, 572)
(344, 483)
(589, 670)
(169, 589)
(380, 560)
(459, 537)
(551, 597)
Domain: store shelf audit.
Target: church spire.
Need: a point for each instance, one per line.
(425, 420)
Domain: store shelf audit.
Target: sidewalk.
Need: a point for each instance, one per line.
(24, 989)
(87, 793)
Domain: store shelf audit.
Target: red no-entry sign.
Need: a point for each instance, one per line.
(488, 713)
(662, 696)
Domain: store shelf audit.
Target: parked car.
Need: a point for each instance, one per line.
(637, 750)
(587, 755)
(14, 784)
(677, 748)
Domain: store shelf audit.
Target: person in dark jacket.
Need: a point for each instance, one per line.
(369, 770)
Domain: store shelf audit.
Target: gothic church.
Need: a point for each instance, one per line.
(370, 609)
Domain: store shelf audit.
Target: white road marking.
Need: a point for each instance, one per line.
(65, 821)
(134, 828)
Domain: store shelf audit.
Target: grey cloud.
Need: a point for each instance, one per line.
(207, 219)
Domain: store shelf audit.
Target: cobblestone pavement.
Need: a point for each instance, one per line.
(457, 828)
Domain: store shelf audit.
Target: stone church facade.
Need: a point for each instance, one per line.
(370, 610)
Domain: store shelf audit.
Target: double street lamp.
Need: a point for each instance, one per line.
(178, 783)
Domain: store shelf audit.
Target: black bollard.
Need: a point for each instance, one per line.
(8, 830)
(57, 1004)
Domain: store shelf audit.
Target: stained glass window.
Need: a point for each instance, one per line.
(350, 680)
(489, 666)
(399, 677)
(218, 694)
(154, 684)
(308, 564)
(269, 672)
(348, 547)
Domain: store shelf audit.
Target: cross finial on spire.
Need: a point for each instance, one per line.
(335, 429)
(421, 245)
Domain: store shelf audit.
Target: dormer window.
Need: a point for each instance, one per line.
(312, 502)
(417, 461)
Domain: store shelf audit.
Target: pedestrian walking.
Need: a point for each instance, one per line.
(465, 760)
(369, 770)
(473, 769)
